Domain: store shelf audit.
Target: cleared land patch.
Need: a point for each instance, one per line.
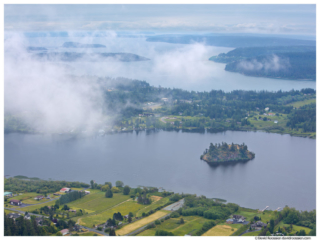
(138, 224)
(220, 230)
(152, 206)
(101, 217)
(97, 202)
(302, 103)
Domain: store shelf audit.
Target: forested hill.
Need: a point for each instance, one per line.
(249, 52)
(298, 65)
(230, 41)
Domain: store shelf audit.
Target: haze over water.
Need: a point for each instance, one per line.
(171, 65)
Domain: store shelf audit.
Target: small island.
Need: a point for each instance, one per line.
(227, 153)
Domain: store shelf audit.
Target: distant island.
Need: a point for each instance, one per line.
(224, 153)
(232, 41)
(80, 45)
(36, 49)
(291, 62)
(89, 57)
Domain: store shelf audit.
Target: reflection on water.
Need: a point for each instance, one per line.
(171, 159)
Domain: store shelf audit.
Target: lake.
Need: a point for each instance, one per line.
(171, 65)
(282, 173)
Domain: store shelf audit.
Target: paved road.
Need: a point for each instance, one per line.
(173, 207)
(95, 230)
(23, 212)
(161, 119)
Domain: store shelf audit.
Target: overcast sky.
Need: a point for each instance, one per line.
(274, 19)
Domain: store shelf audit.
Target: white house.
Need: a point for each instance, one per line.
(266, 109)
(65, 190)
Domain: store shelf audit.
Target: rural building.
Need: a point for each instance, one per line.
(275, 121)
(39, 197)
(238, 217)
(258, 225)
(164, 99)
(15, 202)
(65, 190)
(14, 216)
(229, 221)
(27, 216)
(87, 192)
(8, 194)
(64, 231)
(38, 220)
(267, 109)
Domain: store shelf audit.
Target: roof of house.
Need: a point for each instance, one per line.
(40, 196)
(229, 220)
(7, 193)
(64, 230)
(64, 189)
(14, 215)
(14, 200)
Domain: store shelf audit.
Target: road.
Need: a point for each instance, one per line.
(173, 207)
(161, 119)
(23, 212)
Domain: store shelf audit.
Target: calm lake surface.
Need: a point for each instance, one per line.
(283, 172)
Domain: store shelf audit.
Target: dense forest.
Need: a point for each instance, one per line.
(39, 186)
(221, 153)
(250, 52)
(289, 62)
(215, 110)
(300, 65)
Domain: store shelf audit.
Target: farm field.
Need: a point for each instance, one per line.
(302, 103)
(140, 223)
(222, 230)
(97, 202)
(190, 226)
(101, 217)
(153, 206)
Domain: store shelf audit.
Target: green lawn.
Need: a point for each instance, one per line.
(103, 216)
(153, 206)
(294, 229)
(252, 233)
(34, 207)
(97, 202)
(28, 198)
(302, 103)
(248, 214)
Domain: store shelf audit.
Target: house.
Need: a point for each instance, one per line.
(14, 216)
(38, 220)
(56, 194)
(39, 197)
(65, 190)
(229, 221)
(275, 121)
(27, 216)
(15, 202)
(64, 231)
(238, 217)
(126, 216)
(266, 109)
(8, 194)
(72, 210)
(87, 192)
(258, 225)
(164, 99)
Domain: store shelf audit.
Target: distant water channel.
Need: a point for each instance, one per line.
(283, 172)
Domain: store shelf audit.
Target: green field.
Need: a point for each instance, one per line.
(191, 225)
(97, 201)
(34, 207)
(103, 216)
(247, 213)
(28, 198)
(256, 233)
(153, 206)
(294, 229)
(302, 103)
